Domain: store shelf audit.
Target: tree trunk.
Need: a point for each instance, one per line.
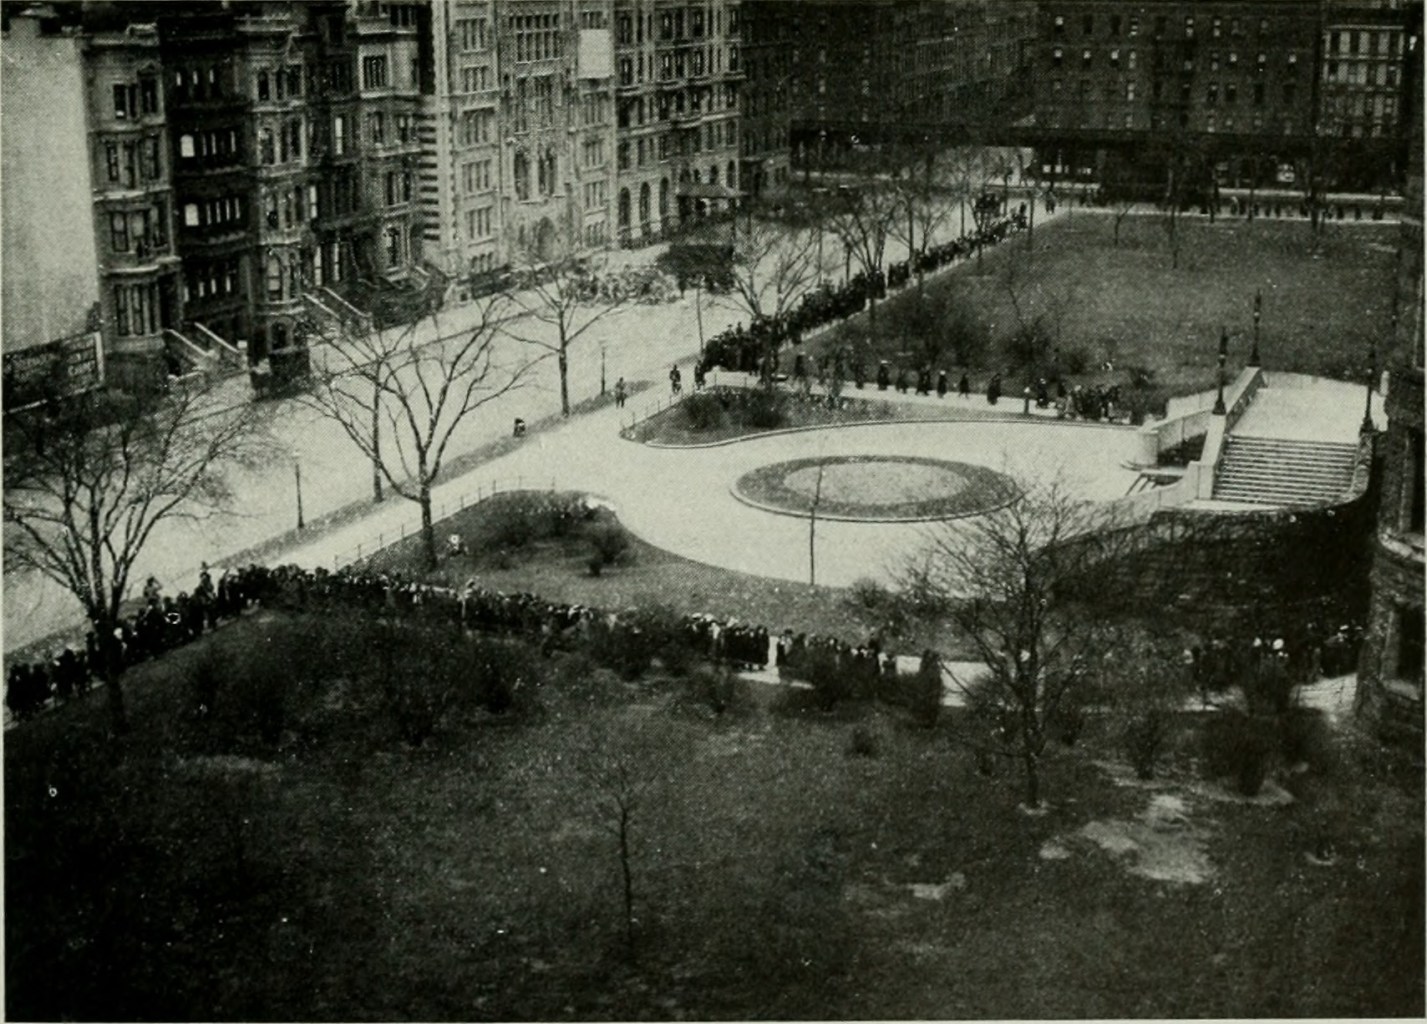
(626, 871)
(110, 671)
(699, 310)
(1033, 776)
(564, 378)
(377, 494)
(428, 528)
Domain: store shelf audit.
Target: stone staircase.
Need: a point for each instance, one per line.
(1276, 471)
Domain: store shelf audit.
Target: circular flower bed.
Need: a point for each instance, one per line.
(877, 488)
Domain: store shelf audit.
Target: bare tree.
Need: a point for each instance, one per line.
(626, 767)
(90, 478)
(1039, 308)
(928, 189)
(400, 402)
(564, 297)
(1007, 578)
(863, 216)
(776, 261)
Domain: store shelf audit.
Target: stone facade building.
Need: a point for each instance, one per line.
(1390, 674)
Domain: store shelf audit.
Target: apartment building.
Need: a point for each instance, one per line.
(1364, 47)
(862, 70)
(460, 161)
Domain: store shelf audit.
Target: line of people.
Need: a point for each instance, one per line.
(755, 348)
(161, 624)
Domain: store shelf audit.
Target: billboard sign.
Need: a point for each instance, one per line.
(71, 365)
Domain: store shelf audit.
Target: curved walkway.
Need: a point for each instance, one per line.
(679, 499)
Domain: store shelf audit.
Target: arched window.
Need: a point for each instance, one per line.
(663, 199)
(732, 180)
(644, 208)
(522, 176)
(623, 213)
(551, 172)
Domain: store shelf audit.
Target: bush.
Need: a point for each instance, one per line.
(1145, 737)
(1076, 360)
(1306, 738)
(703, 411)
(926, 691)
(765, 409)
(1238, 747)
(609, 546)
(519, 518)
(863, 742)
(831, 683)
(421, 675)
(721, 691)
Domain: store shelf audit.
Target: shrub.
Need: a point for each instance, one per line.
(421, 675)
(765, 409)
(863, 742)
(1145, 737)
(609, 546)
(1076, 360)
(516, 519)
(703, 411)
(926, 690)
(1238, 747)
(1306, 738)
(719, 690)
(831, 682)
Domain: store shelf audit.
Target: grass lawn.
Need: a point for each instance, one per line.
(344, 875)
(1126, 304)
(556, 568)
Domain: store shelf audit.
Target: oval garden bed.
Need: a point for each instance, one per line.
(877, 488)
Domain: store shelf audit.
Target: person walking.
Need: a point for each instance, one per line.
(619, 393)
(675, 380)
(941, 386)
(963, 386)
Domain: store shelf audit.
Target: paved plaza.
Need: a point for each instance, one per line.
(638, 343)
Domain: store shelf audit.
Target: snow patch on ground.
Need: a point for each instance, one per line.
(1163, 844)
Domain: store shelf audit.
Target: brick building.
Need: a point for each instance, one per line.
(1364, 47)
(770, 32)
(860, 70)
(1255, 84)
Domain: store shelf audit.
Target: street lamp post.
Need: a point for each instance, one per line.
(297, 476)
(602, 376)
(1219, 409)
(1368, 427)
(1258, 314)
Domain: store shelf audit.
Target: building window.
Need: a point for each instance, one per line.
(148, 95)
(378, 123)
(393, 247)
(339, 135)
(190, 215)
(266, 146)
(274, 278)
(1414, 480)
(374, 72)
(111, 160)
(521, 174)
(119, 232)
(264, 88)
(121, 311)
